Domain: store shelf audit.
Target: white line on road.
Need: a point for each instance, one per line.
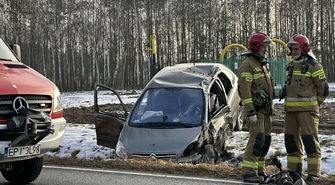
(147, 174)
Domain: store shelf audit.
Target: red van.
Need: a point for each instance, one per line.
(31, 117)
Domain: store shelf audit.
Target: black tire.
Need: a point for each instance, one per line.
(207, 154)
(239, 120)
(24, 172)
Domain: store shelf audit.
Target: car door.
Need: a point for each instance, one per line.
(107, 118)
(219, 110)
(233, 98)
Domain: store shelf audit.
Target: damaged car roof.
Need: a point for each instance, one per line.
(192, 75)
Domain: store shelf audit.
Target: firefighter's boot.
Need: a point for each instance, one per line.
(312, 177)
(254, 178)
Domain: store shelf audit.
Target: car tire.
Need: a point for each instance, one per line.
(24, 172)
(207, 154)
(239, 120)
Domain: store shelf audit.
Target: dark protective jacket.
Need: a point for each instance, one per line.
(255, 86)
(306, 85)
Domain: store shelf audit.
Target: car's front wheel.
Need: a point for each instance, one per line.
(24, 172)
(207, 154)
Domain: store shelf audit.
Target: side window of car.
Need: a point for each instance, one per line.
(226, 82)
(217, 97)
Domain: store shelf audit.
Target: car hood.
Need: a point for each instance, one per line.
(17, 78)
(158, 141)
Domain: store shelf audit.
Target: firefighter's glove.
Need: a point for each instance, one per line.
(253, 119)
(282, 93)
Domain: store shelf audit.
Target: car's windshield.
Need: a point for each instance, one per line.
(5, 52)
(166, 106)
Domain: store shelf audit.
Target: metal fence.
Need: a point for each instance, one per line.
(277, 69)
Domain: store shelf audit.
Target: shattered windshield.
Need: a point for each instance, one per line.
(169, 107)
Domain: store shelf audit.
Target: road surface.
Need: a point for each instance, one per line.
(52, 175)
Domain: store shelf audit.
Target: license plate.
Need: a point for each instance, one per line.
(22, 151)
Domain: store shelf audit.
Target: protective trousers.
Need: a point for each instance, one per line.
(302, 128)
(257, 146)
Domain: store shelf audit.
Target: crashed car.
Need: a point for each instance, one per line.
(185, 113)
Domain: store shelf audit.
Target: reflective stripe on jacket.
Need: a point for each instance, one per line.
(254, 76)
(306, 85)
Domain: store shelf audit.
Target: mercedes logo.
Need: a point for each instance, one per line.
(19, 103)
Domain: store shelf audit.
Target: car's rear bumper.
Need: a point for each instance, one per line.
(50, 142)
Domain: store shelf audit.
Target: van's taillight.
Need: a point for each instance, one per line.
(57, 108)
(3, 122)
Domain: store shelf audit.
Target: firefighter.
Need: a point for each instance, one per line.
(256, 91)
(305, 89)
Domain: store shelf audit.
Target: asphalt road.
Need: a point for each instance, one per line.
(73, 176)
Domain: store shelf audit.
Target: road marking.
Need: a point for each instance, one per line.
(147, 174)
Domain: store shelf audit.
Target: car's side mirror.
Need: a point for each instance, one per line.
(16, 49)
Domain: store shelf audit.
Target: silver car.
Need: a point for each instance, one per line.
(185, 114)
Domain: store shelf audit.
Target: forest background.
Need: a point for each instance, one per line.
(76, 43)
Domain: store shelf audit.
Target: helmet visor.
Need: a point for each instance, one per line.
(293, 45)
(268, 41)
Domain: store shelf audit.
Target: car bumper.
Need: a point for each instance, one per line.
(50, 142)
(189, 159)
(192, 158)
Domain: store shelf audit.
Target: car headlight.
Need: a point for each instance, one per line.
(57, 109)
(121, 150)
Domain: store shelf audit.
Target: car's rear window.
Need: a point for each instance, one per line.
(169, 107)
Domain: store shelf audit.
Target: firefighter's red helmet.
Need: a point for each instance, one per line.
(256, 40)
(300, 40)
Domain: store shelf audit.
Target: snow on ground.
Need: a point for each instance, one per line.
(86, 98)
(80, 139)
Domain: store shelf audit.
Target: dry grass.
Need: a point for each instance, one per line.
(220, 171)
